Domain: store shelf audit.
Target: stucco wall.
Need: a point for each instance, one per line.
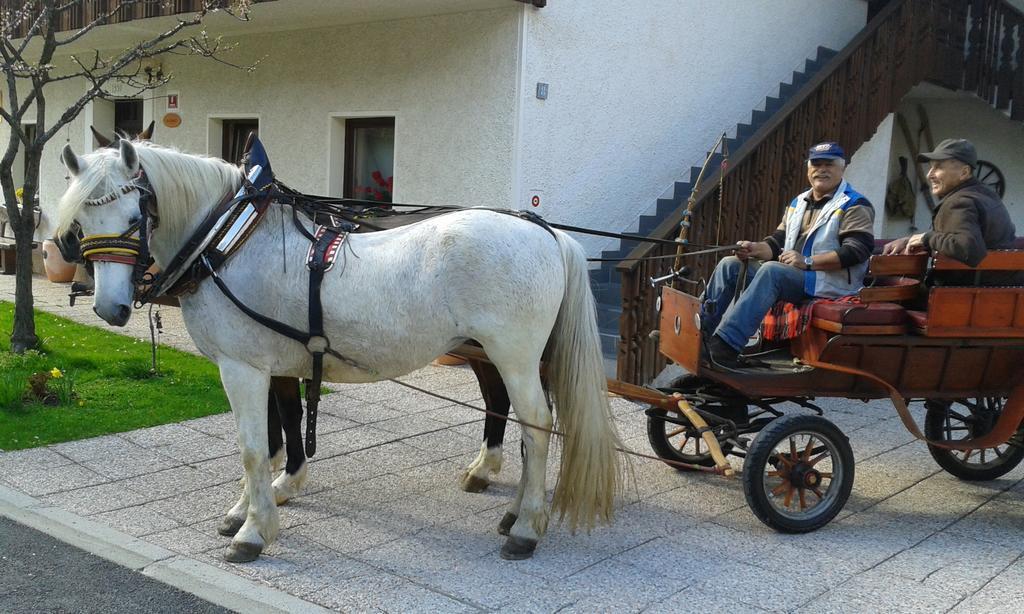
(996, 138)
(449, 80)
(638, 92)
(867, 170)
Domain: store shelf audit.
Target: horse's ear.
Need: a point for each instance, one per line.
(129, 157)
(101, 140)
(147, 134)
(73, 163)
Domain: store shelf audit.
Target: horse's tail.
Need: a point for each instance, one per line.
(590, 475)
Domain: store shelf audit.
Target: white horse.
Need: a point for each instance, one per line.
(400, 298)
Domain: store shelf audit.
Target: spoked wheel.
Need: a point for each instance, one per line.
(679, 442)
(798, 473)
(965, 419)
(673, 438)
(990, 175)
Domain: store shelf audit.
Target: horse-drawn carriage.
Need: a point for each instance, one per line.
(518, 287)
(962, 356)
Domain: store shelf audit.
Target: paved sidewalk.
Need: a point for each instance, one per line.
(384, 527)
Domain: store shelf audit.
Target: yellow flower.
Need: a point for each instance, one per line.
(55, 373)
(81, 403)
(19, 193)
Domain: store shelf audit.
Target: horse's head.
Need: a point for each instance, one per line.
(105, 200)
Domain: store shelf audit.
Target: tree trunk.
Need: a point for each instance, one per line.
(24, 335)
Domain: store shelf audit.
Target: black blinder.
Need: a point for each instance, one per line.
(70, 244)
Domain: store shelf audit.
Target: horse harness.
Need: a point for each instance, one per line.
(224, 230)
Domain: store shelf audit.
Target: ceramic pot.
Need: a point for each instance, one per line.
(57, 269)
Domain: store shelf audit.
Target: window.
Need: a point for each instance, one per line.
(370, 158)
(128, 116)
(234, 135)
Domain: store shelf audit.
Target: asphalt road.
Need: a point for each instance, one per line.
(41, 574)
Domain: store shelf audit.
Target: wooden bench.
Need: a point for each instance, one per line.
(8, 251)
(975, 311)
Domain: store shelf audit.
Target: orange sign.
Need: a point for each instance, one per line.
(172, 120)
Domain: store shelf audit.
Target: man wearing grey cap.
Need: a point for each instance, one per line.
(970, 218)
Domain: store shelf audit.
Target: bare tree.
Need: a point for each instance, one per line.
(34, 38)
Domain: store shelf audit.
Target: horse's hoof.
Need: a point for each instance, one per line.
(506, 523)
(518, 548)
(242, 552)
(471, 483)
(229, 526)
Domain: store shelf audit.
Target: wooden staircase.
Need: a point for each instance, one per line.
(962, 45)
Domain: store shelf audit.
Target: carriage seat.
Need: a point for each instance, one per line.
(860, 318)
(975, 311)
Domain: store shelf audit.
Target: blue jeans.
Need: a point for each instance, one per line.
(767, 283)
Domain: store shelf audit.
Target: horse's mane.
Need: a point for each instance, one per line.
(185, 185)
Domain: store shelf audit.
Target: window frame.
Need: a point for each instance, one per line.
(352, 124)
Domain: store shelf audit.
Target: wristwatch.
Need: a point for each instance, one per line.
(809, 263)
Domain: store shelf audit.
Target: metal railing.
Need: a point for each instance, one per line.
(961, 45)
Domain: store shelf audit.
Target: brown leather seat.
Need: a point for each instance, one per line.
(861, 314)
(918, 319)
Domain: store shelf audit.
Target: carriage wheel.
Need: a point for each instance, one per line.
(677, 442)
(963, 419)
(798, 473)
(990, 175)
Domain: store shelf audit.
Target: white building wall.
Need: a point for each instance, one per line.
(639, 91)
(449, 80)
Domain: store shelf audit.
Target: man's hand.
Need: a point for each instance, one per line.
(793, 258)
(750, 249)
(915, 245)
(893, 248)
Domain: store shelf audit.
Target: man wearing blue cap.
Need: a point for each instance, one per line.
(820, 249)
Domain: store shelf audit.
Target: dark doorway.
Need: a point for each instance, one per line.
(236, 131)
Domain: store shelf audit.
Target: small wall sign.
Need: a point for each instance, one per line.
(172, 101)
(172, 120)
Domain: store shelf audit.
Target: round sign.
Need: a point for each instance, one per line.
(172, 120)
(535, 201)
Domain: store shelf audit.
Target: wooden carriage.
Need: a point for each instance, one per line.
(963, 356)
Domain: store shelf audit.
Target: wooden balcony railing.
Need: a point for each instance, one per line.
(77, 14)
(966, 45)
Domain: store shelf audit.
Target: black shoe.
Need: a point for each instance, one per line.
(723, 355)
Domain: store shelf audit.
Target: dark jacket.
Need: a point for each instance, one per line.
(969, 221)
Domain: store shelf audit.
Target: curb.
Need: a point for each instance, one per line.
(205, 581)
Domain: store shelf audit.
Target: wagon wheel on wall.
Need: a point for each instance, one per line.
(964, 419)
(990, 175)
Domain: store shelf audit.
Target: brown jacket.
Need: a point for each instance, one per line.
(969, 221)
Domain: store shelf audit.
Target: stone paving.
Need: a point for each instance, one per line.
(383, 526)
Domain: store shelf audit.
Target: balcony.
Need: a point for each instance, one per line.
(151, 16)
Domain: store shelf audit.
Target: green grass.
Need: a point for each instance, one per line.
(113, 389)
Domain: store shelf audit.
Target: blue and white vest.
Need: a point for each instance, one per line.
(823, 237)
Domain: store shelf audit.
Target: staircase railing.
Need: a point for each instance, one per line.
(962, 45)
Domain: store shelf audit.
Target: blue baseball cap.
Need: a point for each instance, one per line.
(826, 151)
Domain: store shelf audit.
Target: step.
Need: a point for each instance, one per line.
(648, 223)
(757, 118)
(743, 132)
(680, 192)
(825, 54)
(602, 275)
(668, 205)
(608, 317)
(609, 292)
(610, 345)
(772, 104)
